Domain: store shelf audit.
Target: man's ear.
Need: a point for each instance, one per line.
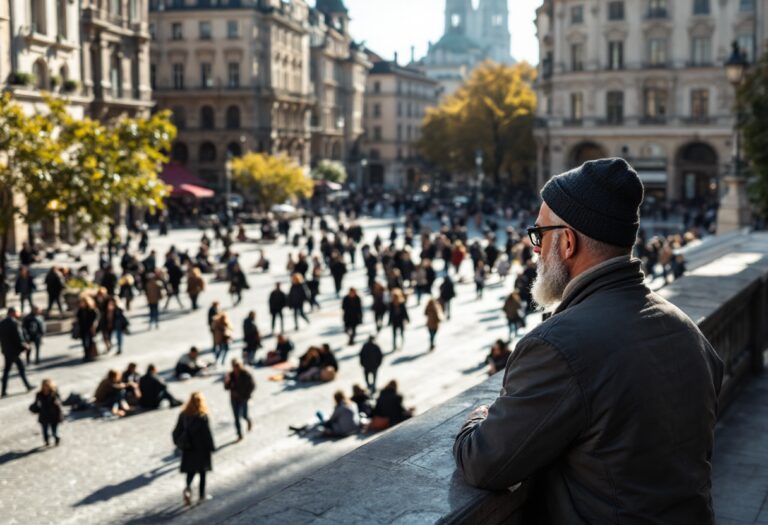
(571, 243)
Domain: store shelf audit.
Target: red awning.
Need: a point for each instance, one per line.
(183, 182)
(196, 191)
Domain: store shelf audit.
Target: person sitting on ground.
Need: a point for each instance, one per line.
(131, 378)
(309, 365)
(111, 392)
(344, 421)
(390, 405)
(362, 399)
(262, 263)
(154, 390)
(190, 365)
(497, 359)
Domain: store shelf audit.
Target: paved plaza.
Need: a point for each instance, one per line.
(125, 471)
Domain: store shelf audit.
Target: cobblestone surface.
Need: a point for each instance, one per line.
(125, 471)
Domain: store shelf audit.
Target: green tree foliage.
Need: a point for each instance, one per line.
(753, 105)
(270, 180)
(492, 112)
(331, 171)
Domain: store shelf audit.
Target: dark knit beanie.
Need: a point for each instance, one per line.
(600, 199)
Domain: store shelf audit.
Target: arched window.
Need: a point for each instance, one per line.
(179, 117)
(40, 70)
(180, 152)
(207, 152)
(233, 117)
(234, 149)
(207, 120)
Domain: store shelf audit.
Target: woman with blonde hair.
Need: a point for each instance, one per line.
(398, 316)
(195, 284)
(49, 411)
(192, 435)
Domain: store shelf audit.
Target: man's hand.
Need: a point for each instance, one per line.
(480, 412)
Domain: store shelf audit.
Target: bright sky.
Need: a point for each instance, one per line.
(395, 25)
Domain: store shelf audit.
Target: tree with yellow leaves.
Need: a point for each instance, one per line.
(269, 179)
(492, 112)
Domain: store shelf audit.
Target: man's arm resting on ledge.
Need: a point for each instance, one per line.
(540, 411)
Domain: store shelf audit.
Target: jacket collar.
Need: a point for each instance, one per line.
(613, 273)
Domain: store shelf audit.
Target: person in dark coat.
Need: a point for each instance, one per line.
(87, 317)
(251, 337)
(371, 357)
(277, 303)
(54, 285)
(50, 412)
(192, 435)
(238, 283)
(25, 287)
(12, 343)
(154, 390)
(390, 405)
(298, 294)
(353, 314)
(379, 306)
(398, 316)
(609, 406)
(175, 274)
(33, 325)
(338, 270)
(109, 280)
(241, 385)
(447, 293)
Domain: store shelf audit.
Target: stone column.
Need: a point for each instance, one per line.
(106, 66)
(87, 72)
(734, 211)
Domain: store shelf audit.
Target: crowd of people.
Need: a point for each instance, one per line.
(414, 271)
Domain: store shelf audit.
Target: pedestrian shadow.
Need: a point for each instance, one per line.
(488, 319)
(473, 369)
(406, 359)
(61, 362)
(14, 455)
(161, 515)
(124, 487)
(328, 332)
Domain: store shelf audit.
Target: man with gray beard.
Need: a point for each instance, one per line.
(608, 408)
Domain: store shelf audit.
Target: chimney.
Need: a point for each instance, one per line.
(395, 57)
(413, 54)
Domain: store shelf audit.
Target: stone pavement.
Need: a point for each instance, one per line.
(124, 470)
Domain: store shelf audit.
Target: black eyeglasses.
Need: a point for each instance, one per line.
(536, 233)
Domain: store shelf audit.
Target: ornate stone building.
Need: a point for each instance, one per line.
(471, 35)
(5, 40)
(396, 100)
(338, 71)
(115, 55)
(643, 79)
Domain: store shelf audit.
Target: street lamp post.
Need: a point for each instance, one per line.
(733, 213)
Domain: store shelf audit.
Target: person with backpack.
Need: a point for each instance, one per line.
(33, 325)
(192, 435)
(241, 385)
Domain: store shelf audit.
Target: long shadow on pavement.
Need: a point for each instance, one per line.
(13, 455)
(129, 485)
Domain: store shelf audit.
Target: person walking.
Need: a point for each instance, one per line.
(380, 305)
(251, 338)
(153, 289)
(54, 286)
(126, 285)
(12, 344)
(222, 336)
(192, 435)
(338, 270)
(297, 296)
(241, 386)
(314, 283)
(353, 314)
(434, 314)
(480, 278)
(50, 412)
(398, 317)
(87, 319)
(237, 284)
(33, 325)
(195, 285)
(25, 287)
(371, 357)
(447, 293)
(277, 303)
(513, 305)
(611, 403)
(175, 275)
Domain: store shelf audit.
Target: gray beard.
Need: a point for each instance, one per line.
(551, 278)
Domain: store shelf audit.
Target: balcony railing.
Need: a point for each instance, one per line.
(656, 13)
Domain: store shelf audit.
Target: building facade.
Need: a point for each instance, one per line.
(338, 71)
(115, 57)
(645, 80)
(5, 40)
(472, 34)
(396, 101)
